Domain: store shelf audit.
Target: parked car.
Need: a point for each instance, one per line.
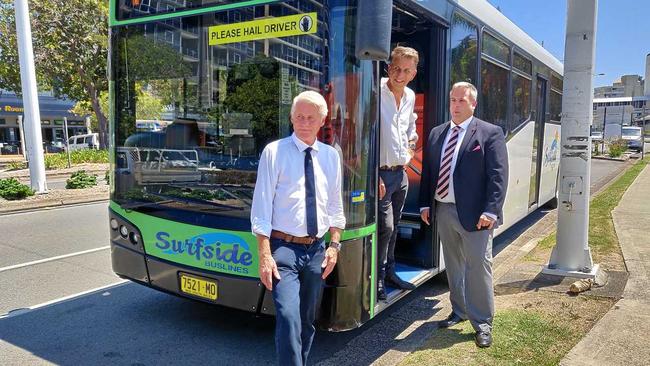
(596, 136)
(53, 146)
(10, 147)
(632, 135)
(87, 141)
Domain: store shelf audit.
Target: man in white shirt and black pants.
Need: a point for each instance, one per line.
(397, 142)
(297, 200)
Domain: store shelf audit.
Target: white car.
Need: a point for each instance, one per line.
(87, 141)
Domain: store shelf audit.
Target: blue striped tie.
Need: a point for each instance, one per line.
(310, 195)
(445, 164)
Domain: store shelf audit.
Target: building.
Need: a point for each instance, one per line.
(52, 110)
(626, 86)
(626, 102)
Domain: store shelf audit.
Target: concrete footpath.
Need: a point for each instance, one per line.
(621, 337)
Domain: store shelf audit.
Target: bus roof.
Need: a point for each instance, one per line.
(489, 15)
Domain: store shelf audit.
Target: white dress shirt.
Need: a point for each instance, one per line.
(279, 197)
(397, 126)
(450, 197)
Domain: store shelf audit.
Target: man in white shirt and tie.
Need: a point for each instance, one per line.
(464, 182)
(397, 142)
(297, 200)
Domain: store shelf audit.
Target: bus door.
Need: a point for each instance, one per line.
(416, 254)
(538, 143)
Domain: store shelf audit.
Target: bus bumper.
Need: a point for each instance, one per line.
(130, 261)
(234, 292)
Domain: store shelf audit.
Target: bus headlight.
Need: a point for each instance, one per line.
(124, 231)
(134, 238)
(114, 224)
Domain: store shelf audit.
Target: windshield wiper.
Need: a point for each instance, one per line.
(188, 200)
(135, 205)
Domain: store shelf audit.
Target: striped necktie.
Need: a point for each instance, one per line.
(445, 165)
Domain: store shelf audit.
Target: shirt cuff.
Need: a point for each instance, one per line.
(491, 215)
(262, 228)
(424, 208)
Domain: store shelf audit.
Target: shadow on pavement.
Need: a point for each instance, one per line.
(130, 324)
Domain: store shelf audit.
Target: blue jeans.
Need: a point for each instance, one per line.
(296, 297)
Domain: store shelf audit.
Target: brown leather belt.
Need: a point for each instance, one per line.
(306, 240)
(392, 168)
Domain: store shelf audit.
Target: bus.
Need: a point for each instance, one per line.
(228, 70)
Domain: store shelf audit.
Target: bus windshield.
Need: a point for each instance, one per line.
(221, 98)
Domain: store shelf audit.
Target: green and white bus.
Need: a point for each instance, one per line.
(224, 73)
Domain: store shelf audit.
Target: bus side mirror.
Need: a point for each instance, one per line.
(374, 23)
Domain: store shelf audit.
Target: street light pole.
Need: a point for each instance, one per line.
(571, 256)
(32, 122)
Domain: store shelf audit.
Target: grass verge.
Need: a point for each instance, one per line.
(602, 236)
(524, 338)
(530, 328)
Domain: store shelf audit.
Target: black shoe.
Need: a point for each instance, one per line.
(381, 291)
(394, 280)
(483, 339)
(451, 320)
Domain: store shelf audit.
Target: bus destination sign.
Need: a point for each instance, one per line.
(292, 25)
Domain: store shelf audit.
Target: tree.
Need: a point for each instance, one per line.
(149, 106)
(70, 39)
(253, 87)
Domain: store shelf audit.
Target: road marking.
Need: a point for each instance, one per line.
(59, 300)
(21, 265)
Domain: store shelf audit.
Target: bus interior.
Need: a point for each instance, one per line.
(416, 251)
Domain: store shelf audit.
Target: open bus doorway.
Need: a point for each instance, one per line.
(416, 250)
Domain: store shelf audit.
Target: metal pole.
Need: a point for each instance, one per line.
(21, 130)
(65, 136)
(30, 98)
(571, 256)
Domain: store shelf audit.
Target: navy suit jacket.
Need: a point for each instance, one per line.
(480, 176)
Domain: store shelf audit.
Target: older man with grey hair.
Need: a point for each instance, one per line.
(297, 200)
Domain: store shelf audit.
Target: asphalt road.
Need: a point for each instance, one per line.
(61, 303)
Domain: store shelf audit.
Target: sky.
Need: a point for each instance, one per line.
(622, 36)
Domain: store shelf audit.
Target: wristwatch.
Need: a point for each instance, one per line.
(336, 245)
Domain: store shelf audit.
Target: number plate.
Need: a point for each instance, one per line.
(198, 286)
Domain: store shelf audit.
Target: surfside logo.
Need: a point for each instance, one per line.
(221, 251)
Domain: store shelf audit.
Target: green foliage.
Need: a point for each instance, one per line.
(253, 87)
(16, 165)
(60, 160)
(602, 236)
(522, 337)
(148, 106)
(70, 41)
(199, 194)
(81, 179)
(12, 189)
(617, 148)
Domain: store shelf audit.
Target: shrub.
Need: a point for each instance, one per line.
(617, 148)
(12, 189)
(81, 179)
(60, 160)
(16, 165)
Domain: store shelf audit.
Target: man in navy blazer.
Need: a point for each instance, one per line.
(463, 186)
